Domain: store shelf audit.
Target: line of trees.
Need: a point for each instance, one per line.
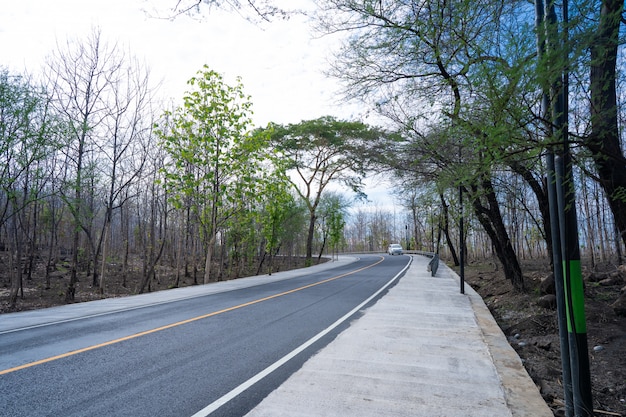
(100, 179)
(464, 83)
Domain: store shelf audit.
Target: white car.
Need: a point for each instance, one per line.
(395, 249)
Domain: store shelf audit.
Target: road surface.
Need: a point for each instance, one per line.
(217, 355)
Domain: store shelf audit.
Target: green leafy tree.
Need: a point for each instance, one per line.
(215, 161)
(333, 220)
(322, 151)
(279, 209)
(422, 65)
(239, 242)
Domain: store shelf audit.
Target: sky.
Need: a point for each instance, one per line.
(281, 63)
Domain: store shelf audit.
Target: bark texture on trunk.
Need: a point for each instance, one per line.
(604, 141)
(487, 210)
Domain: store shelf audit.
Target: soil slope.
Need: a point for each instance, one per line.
(532, 330)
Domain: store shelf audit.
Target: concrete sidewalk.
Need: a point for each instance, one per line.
(423, 349)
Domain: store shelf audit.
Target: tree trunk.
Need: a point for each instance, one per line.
(32, 247)
(446, 230)
(104, 257)
(258, 270)
(49, 263)
(98, 248)
(309, 240)
(70, 292)
(416, 236)
(209, 259)
(15, 260)
(490, 218)
(215, 199)
(125, 219)
(150, 271)
(179, 254)
(604, 141)
(540, 190)
(195, 261)
(589, 229)
(323, 246)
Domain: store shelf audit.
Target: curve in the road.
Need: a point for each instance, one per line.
(205, 412)
(204, 316)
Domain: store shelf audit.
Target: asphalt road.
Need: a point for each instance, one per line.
(218, 354)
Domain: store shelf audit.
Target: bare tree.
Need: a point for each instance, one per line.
(27, 135)
(127, 137)
(103, 100)
(253, 10)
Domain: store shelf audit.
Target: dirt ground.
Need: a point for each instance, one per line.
(36, 295)
(532, 330)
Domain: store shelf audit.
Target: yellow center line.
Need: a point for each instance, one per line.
(180, 323)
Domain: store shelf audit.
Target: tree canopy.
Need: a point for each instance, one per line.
(216, 161)
(320, 152)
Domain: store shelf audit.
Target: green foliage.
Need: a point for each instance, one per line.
(28, 134)
(456, 76)
(324, 150)
(215, 159)
(619, 194)
(333, 213)
(321, 151)
(278, 208)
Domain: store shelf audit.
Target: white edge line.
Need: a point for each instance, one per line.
(206, 411)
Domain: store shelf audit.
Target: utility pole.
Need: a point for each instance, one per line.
(566, 257)
(572, 273)
(461, 242)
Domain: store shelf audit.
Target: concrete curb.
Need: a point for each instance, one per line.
(521, 393)
(423, 349)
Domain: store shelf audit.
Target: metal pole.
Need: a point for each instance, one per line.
(406, 234)
(574, 292)
(461, 243)
(557, 262)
